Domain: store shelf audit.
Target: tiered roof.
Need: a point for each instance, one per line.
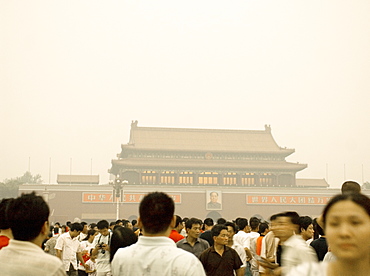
(204, 140)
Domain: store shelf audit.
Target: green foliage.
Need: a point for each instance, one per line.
(9, 187)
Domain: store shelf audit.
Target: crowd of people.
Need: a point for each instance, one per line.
(162, 243)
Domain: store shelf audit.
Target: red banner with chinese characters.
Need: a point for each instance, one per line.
(127, 197)
(287, 200)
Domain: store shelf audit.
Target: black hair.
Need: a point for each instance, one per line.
(125, 222)
(351, 187)
(121, 237)
(304, 222)
(232, 224)
(156, 212)
(76, 226)
(294, 217)
(273, 217)
(28, 214)
(221, 221)
(178, 220)
(89, 234)
(189, 223)
(317, 229)
(242, 223)
(208, 222)
(216, 230)
(359, 199)
(262, 227)
(102, 224)
(4, 224)
(254, 222)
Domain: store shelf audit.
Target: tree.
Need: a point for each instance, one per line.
(366, 185)
(10, 187)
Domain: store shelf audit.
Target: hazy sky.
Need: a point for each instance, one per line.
(73, 74)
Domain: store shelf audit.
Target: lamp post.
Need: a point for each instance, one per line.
(117, 191)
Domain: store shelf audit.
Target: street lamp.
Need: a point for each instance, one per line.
(117, 192)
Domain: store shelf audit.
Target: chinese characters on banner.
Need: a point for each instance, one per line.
(127, 197)
(287, 200)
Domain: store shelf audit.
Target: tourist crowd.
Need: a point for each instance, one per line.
(161, 243)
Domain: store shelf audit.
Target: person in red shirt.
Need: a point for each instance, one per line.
(175, 233)
(5, 232)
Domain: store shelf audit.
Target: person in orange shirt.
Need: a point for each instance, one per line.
(175, 233)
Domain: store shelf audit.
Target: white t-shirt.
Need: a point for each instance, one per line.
(102, 260)
(242, 238)
(21, 258)
(155, 256)
(69, 249)
(85, 246)
(310, 269)
(92, 267)
(296, 252)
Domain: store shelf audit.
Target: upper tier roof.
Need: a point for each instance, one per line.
(204, 140)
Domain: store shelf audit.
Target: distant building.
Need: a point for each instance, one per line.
(245, 168)
(187, 156)
(77, 179)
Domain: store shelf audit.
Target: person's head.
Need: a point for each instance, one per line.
(273, 222)
(134, 222)
(221, 221)
(263, 228)
(351, 187)
(317, 228)
(112, 224)
(213, 197)
(156, 213)
(85, 227)
(208, 224)
(192, 227)
(64, 228)
(231, 229)
(306, 227)
(103, 226)
(286, 225)
(220, 234)
(93, 226)
(242, 224)
(178, 224)
(121, 237)
(57, 225)
(346, 220)
(254, 223)
(4, 224)
(119, 222)
(75, 229)
(90, 235)
(55, 231)
(127, 224)
(28, 218)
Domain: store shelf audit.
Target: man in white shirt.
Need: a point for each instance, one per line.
(155, 253)
(28, 219)
(101, 249)
(294, 250)
(69, 249)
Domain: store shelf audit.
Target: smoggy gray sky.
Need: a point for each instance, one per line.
(74, 74)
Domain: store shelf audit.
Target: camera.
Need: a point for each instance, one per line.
(101, 246)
